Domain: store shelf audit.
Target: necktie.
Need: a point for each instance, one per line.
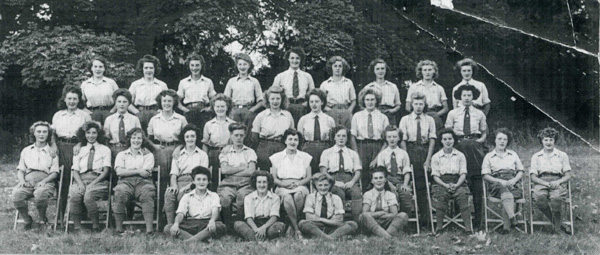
(419, 138)
(295, 86)
(121, 129)
(341, 161)
(323, 207)
(378, 203)
(370, 131)
(467, 122)
(317, 129)
(393, 164)
(90, 163)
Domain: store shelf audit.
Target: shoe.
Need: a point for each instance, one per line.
(502, 231)
(566, 230)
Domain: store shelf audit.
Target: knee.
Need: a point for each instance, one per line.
(288, 198)
(355, 193)
(167, 229)
(239, 225)
(352, 225)
(402, 216)
(303, 225)
(225, 201)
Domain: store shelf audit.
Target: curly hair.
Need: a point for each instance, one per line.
(446, 131)
(369, 91)
(278, 90)
(32, 138)
(224, 98)
(392, 128)
(505, 131)
(139, 67)
(292, 131)
(237, 126)
(189, 127)
(87, 126)
(299, 51)
(319, 93)
(245, 57)
(458, 93)
(419, 71)
(100, 59)
(70, 89)
(419, 96)
(136, 130)
(168, 92)
(124, 93)
(548, 132)
(256, 174)
(200, 170)
(376, 61)
(198, 57)
(332, 60)
(379, 169)
(467, 62)
(318, 177)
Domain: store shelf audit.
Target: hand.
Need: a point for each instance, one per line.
(90, 185)
(175, 229)
(40, 184)
(339, 184)
(293, 185)
(22, 184)
(348, 185)
(511, 183)
(260, 233)
(173, 189)
(144, 174)
(553, 184)
(76, 149)
(373, 163)
(480, 140)
(405, 188)
(212, 226)
(327, 108)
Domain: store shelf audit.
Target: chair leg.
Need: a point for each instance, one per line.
(16, 220)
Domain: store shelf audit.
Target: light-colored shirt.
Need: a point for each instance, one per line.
(390, 95)
(216, 132)
(257, 207)
(166, 130)
(456, 118)
(111, 125)
(127, 159)
(556, 163)
(453, 163)
(187, 161)
(291, 166)
(330, 158)
(493, 162)
(102, 158)
(408, 125)
(194, 206)
(145, 93)
(285, 80)
(66, 124)
(270, 126)
(483, 98)
(243, 91)
(434, 93)
(98, 94)
(306, 126)
(314, 201)
(235, 158)
(384, 158)
(340, 92)
(36, 158)
(196, 91)
(360, 122)
(388, 199)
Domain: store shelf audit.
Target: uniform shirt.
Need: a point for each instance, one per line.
(216, 132)
(66, 124)
(145, 93)
(456, 118)
(408, 125)
(360, 122)
(340, 92)
(557, 163)
(196, 91)
(166, 130)
(98, 94)
(187, 161)
(434, 93)
(111, 125)
(388, 199)
(127, 159)
(36, 158)
(243, 91)
(194, 206)
(493, 162)
(314, 201)
(483, 98)
(390, 95)
(102, 158)
(285, 80)
(288, 167)
(270, 126)
(235, 158)
(330, 158)
(306, 126)
(402, 160)
(265, 207)
(455, 163)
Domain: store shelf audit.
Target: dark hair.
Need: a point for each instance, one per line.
(447, 131)
(369, 91)
(87, 126)
(459, 91)
(332, 60)
(318, 177)
(299, 51)
(70, 89)
(168, 92)
(200, 170)
(221, 97)
(35, 125)
(337, 129)
(243, 56)
(122, 92)
(277, 90)
(139, 68)
(100, 59)
(145, 142)
(291, 131)
(505, 131)
(237, 126)
(392, 128)
(376, 61)
(256, 174)
(419, 71)
(189, 127)
(195, 56)
(467, 62)
(548, 132)
(379, 169)
(319, 93)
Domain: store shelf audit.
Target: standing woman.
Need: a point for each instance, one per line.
(216, 134)
(244, 90)
(315, 127)
(145, 90)
(119, 123)
(390, 99)
(437, 102)
(98, 90)
(195, 92)
(467, 68)
(341, 97)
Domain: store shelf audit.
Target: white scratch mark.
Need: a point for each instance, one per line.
(572, 26)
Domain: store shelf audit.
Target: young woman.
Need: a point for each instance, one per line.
(390, 100)
(119, 123)
(216, 134)
(98, 90)
(467, 68)
(145, 90)
(341, 97)
(244, 90)
(195, 92)
(437, 102)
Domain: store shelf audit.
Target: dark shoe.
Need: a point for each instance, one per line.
(28, 224)
(502, 231)
(96, 230)
(566, 230)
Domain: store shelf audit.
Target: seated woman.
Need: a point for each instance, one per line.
(261, 209)
(325, 212)
(90, 171)
(134, 168)
(502, 169)
(550, 171)
(449, 171)
(198, 211)
(380, 214)
(291, 173)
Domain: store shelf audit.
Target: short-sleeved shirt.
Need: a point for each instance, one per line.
(556, 163)
(388, 199)
(384, 158)
(127, 159)
(102, 158)
(340, 92)
(166, 130)
(111, 125)
(187, 161)
(66, 123)
(196, 91)
(456, 118)
(493, 162)
(483, 98)
(144, 93)
(243, 91)
(360, 122)
(291, 166)
(98, 94)
(306, 126)
(194, 206)
(285, 80)
(34, 158)
(390, 95)
(269, 125)
(314, 201)
(330, 158)
(408, 125)
(453, 163)
(233, 157)
(216, 132)
(434, 93)
(257, 207)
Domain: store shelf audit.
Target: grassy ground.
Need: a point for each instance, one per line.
(584, 160)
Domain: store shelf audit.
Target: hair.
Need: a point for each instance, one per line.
(505, 131)
(299, 51)
(97, 58)
(548, 132)
(139, 67)
(337, 129)
(332, 60)
(168, 92)
(122, 92)
(419, 96)
(256, 174)
(418, 70)
(379, 169)
(195, 56)
(318, 177)
(237, 126)
(369, 91)
(376, 61)
(292, 131)
(459, 91)
(200, 170)
(70, 89)
(189, 127)
(133, 131)
(447, 131)
(278, 90)
(467, 62)
(37, 124)
(87, 126)
(245, 57)
(221, 97)
(394, 128)
(319, 93)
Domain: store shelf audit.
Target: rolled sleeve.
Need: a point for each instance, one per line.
(566, 166)
(249, 207)
(149, 162)
(275, 206)
(356, 160)
(183, 207)
(54, 165)
(486, 165)
(175, 167)
(338, 205)
(76, 160)
(309, 205)
(106, 158)
(406, 164)
(435, 166)
(462, 164)
(535, 165)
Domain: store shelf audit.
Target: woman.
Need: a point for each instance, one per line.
(244, 90)
(390, 100)
(145, 90)
(437, 102)
(291, 172)
(119, 123)
(502, 169)
(341, 97)
(315, 127)
(195, 92)
(216, 134)
(98, 90)
(467, 68)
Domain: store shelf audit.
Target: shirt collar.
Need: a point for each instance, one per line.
(91, 80)
(174, 116)
(320, 198)
(240, 77)
(233, 150)
(194, 194)
(184, 151)
(495, 153)
(271, 113)
(130, 152)
(154, 81)
(414, 116)
(66, 112)
(338, 148)
(46, 148)
(227, 119)
(554, 152)
(292, 70)
(189, 78)
(269, 195)
(452, 154)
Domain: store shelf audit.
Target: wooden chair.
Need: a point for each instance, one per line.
(567, 207)
(494, 216)
(133, 219)
(451, 217)
(18, 220)
(104, 207)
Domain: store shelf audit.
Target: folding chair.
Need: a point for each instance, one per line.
(568, 203)
(414, 219)
(456, 217)
(492, 215)
(104, 206)
(135, 221)
(19, 220)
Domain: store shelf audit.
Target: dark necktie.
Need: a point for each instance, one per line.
(467, 122)
(90, 163)
(323, 207)
(295, 86)
(317, 129)
(341, 161)
(393, 164)
(379, 203)
(419, 138)
(370, 131)
(121, 129)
